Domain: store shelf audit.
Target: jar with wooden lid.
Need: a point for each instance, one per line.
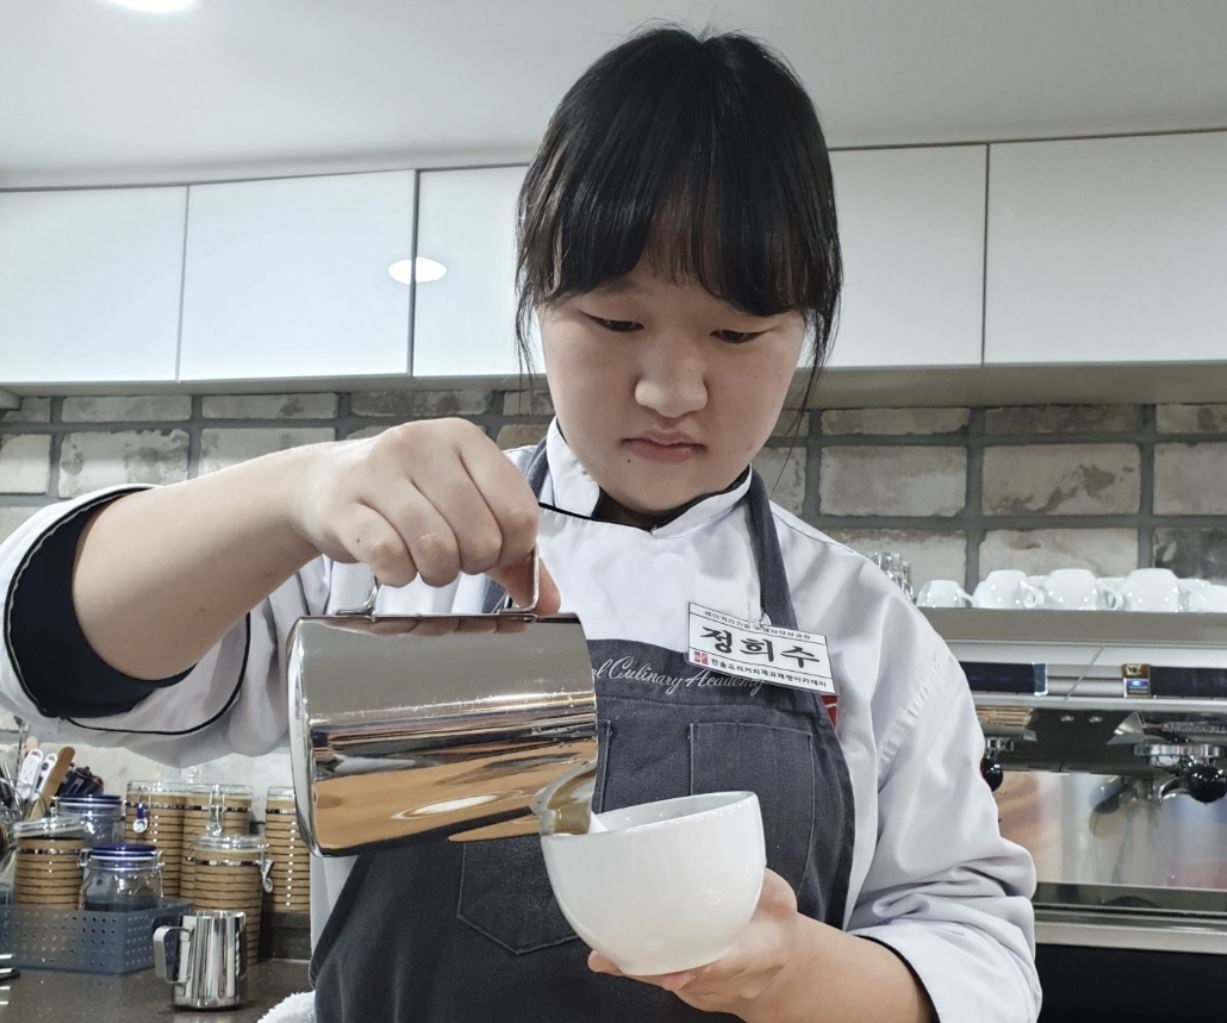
(47, 871)
(231, 872)
(290, 855)
(153, 813)
(222, 808)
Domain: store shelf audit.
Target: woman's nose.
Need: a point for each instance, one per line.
(671, 379)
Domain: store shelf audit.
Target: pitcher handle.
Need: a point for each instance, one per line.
(162, 964)
(367, 610)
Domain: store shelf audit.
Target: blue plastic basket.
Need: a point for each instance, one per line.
(90, 942)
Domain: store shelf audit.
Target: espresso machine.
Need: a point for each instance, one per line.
(1106, 747)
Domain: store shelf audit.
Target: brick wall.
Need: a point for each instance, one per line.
(958, 491)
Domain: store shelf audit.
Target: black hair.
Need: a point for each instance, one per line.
(703, 152)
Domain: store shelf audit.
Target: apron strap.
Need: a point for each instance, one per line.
(772, 580)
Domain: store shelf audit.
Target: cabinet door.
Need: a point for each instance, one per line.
(911, 223)
(90, 285)
(289, 278)
(464, 323)
(1108, 250)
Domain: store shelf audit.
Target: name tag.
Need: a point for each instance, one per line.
(782, 657)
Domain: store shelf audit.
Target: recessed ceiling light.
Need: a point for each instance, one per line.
(154, 6)
(427, 270)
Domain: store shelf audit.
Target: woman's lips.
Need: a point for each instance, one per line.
(655, 451)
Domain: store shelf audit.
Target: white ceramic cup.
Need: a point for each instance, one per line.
(1073, 589)
(1216, 598)
(1194, 594)
(943, 593)
(1007, 588)
(664, 886)
(1151, 589)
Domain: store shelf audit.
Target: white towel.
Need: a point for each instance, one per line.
(299, 1008)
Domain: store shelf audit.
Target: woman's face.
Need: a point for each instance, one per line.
(665, 393)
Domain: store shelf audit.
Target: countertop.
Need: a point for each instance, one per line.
(55, 997)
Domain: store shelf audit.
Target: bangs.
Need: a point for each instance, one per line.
(702, 156)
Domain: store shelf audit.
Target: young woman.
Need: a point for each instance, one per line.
(679, 248)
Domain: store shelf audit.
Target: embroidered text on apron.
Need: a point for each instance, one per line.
(442, 931)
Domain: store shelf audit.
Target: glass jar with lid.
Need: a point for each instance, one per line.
(47, 864)
(232, 872)
(101, 816)
(121, 878)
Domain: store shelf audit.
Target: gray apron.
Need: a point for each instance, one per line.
(443, 931)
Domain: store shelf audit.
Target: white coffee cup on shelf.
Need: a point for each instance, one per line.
(1194, 594)
(1151, 589)
(1075, 589)
(1216, 598)
(1007, 588)
(943, 593)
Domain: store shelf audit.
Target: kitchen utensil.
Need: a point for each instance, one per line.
(407, 724)
(662, 887)
(27, 775)
(54, 767)
(208, 963)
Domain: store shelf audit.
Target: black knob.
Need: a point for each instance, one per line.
(1205, 782)
(993, 773)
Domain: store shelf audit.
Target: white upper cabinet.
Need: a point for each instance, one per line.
(911, 224)
(89, 285)
(1108, 250)
(464, 323)
(289, 278)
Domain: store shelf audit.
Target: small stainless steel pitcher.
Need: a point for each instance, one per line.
(403, 725)
(208, 964)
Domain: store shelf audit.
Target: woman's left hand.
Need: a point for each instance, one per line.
(761, 954)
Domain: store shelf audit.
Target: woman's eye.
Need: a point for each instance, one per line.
(737, 336)
(617, 326)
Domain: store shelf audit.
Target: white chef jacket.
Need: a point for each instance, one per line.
(931, 876)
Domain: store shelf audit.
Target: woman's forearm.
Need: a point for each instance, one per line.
(162, 574)
(839, 978)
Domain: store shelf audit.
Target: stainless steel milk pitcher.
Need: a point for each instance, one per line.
(408, 724)
(208, 963)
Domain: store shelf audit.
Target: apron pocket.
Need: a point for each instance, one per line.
(777, 764)
(505, 894)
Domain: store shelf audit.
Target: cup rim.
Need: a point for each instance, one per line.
(715, 801)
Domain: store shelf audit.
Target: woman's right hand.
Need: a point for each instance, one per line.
(433, 499)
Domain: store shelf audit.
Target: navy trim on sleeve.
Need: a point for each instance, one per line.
(58, 669)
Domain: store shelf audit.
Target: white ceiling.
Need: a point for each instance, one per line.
(94, 94)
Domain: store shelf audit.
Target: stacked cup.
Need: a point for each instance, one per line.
(291, 858)
(48, 871)
(223, 808)
(229, 872)
(153, 814)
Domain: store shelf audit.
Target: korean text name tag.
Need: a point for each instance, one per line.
(782, 657)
